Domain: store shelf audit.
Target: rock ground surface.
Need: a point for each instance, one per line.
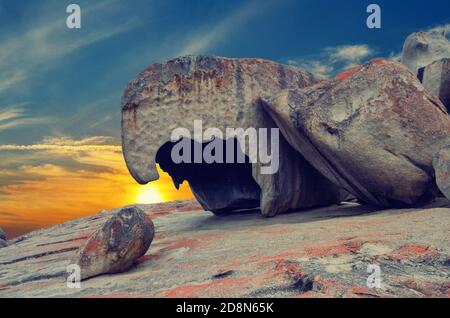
(316, 253)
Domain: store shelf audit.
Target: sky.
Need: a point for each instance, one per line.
(61, 88)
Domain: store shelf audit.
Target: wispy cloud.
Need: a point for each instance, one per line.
(44, 42)
(334, 59)
(318, 68)
(211, 35)
(15, 116)
(68, 143)
(350, 54)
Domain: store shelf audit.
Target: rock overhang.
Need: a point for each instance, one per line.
(221, 92)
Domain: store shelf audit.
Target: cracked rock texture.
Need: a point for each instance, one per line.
(374, 131)
(318, 253)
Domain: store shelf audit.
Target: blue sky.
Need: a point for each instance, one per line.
(68, 83)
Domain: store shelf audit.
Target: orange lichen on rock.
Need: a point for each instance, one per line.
(414, 251)
(347, 74)
(344, 248)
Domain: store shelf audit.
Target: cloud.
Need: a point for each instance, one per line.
(11, 113)
(15, 116)
(332, 60)
(350, 53)
(203, 41)
(68, 141)
(395, 56)
(318, 68)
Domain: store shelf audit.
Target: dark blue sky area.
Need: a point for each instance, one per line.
(68, 83)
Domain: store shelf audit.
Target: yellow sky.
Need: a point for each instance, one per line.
(43, 185)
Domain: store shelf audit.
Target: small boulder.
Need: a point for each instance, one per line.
(436, 79)
(117, 245)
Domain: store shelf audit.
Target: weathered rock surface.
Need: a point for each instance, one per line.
(441, 167)
(117, 245)
(2, 234)
(223, 93)
(319, 253)
(374, 131)
(436, 80)
(423, 48)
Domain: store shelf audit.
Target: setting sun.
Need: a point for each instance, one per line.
(149, 194)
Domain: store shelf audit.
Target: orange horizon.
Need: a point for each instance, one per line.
(47, 194)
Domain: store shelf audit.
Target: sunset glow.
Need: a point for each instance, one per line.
(59, 180)
(149, 194)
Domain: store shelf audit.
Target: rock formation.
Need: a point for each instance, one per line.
(117, 245)
(223, 93)
(373, 131)
(423, 48)
(441, 166)
(436, 80)
(324, 252)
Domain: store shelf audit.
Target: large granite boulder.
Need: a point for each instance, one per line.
(423, 48)
(222, 93)
(117, 244)
(374, 130)
(436, 79)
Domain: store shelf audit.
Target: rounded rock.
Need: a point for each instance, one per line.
(117, 245)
